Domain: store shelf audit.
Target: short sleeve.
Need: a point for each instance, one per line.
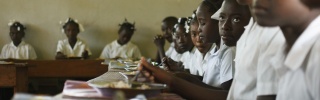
(3, 53)
(60, 46)
(32, 53)
(227, 65)
(105, 54)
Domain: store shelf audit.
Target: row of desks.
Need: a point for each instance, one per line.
(16, 75)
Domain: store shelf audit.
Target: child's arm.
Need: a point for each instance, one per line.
(85, 54)
(159, 41)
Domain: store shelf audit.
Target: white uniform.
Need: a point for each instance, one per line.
(23, 51)
(186, 58)
(220, 67)
(65, 48)
(200, 63)
(170, 50)
(299, 70)
(175, 56)
(252, 78)
(114, 49)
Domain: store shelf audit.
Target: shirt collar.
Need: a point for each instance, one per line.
(303, 44)
(115, 42)
(21, 43)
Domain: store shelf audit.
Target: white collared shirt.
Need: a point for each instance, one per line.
(220, 67)
(114, 49)
(300, 72)
(251, 48)
(170, 50)
(65, 48)
(23, 51)
(186, 58)
(200, 63)
(175, 56)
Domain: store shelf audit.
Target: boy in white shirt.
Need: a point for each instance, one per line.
(232, 19)
(122, 47)
(17, 49)
(167, 27)
(297, 61)
(72, 47)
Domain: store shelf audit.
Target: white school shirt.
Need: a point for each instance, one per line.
(114, 49)
(299, 69)
(186, 58)
(23, 51)
(200, 63)
(65, 48)
(252, 45)
(220, 67)
(175, 56)
(170, 50)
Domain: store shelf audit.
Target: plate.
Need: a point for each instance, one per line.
(117, 65)
(131, 68)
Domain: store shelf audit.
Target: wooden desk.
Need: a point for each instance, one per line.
(14, 76)
(66, 68)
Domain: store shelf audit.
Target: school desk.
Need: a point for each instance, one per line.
(14, 75)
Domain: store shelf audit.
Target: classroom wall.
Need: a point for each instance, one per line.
(99, 17)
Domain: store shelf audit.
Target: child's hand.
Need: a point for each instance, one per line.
(85, 54)
(159, 40)
(171, 65)
(60, 56)
(154, 73)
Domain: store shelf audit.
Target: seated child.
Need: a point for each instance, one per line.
(122, 47)
(17, 49)
(73, 46)
(232, 19)
(183, 46)
(159, 40)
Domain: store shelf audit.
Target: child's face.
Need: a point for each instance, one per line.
(277, 12)
(125, 36)
(232, 19)
(166, 31)
(16, 35)
(182, 40)
(208, 28)
(72, 31)
(202, 47)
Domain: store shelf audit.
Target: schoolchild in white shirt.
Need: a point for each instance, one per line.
(17, 49)
(122, 47)
(297, 61)
(73, 47)
(232, 19)
(167, 27)
(183, 44)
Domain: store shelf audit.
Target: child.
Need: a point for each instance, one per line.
(122, 47)
(297, 61)
(183, 46)
(166, 28)
(232, 19)
(73, 46)
(17, 49)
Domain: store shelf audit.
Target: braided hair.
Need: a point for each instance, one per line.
(69, 22)
(18, 26)
(127, 26)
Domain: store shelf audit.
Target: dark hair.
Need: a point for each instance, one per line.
(170, 20)
(18, 26)
(214, 5)
(127, 26)
(181, 22)
(70, 21)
